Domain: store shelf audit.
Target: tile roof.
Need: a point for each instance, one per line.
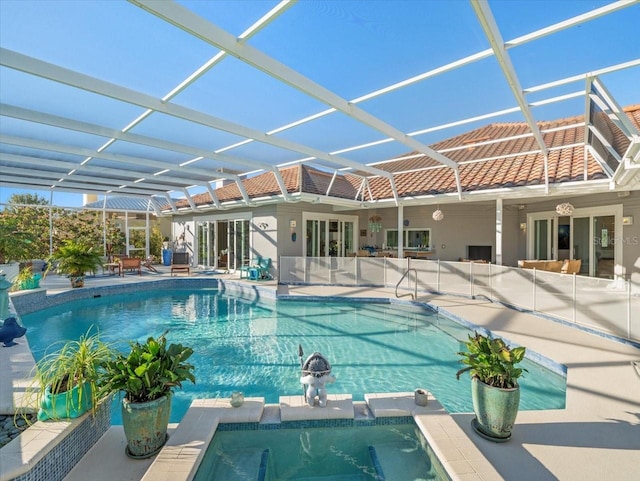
(490, 157)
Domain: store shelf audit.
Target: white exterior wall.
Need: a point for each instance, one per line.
(464, 224)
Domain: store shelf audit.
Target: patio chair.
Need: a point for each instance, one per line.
(148, 263)
(130, 264)
(180, 262)
(246, 268)
(261, 271)
(223, 263)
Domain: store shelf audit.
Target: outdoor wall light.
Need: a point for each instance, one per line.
(523, 226)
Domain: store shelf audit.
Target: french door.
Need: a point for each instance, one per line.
(589, 235)
(223, 244)
(330, 237)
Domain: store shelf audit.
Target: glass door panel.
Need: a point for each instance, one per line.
(241, 242)
(222, 242)
(231, 243)
(316, 238)
(581, 236)
(203, 243)
(211, 244)
(541, 239)
(604, 245)
(349, 230)
(335, 246)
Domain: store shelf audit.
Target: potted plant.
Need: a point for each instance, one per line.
(66, 382)
(26, 280)
(147, 376)
(494, 384)
(74, 260)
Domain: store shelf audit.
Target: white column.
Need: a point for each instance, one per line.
(400, 233)
(499, 231)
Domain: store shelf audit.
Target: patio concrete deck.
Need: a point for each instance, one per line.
(596, 437)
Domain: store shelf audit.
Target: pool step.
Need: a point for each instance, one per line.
(241, 464)
(334, 477)
(401, 460)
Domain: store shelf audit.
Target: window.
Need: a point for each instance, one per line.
(413, 238)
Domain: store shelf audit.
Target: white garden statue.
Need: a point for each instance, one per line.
(316, 372)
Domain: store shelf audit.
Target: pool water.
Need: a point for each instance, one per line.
(395, 452)
(249, 346)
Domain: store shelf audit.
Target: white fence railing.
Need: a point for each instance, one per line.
(610, 306)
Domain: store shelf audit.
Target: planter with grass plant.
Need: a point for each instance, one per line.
(74, 259)
(26, 280)
(147, 376)
(494, 384)
(66, 382)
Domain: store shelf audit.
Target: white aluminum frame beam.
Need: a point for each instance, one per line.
(492, 32)
(54, 176)
(39, 68)
(535, 35)
(70, 185)
(111, 175)
(200, 174)
(213, 195)
(94, 129)
(201, 28)
(212, 62)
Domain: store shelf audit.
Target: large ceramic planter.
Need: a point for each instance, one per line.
(145, 426)
(65, 405)
(496, 410)
(77, 281)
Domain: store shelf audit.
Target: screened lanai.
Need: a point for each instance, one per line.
(173, 99)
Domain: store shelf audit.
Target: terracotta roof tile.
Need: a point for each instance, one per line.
(523, 164)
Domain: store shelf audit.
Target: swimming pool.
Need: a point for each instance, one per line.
(396, 452)
(249, 346)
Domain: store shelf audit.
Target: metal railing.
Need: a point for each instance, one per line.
(415, 285)
(608, 305)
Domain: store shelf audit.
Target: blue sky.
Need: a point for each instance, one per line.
(350, 47)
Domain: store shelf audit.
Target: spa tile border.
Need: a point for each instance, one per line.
(460, 459)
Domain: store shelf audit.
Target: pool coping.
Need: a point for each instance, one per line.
(596, 432)
(180, 458)
(452, 455)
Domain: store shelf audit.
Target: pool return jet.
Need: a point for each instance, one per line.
(316, 372)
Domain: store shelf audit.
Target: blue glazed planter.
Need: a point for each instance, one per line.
(33, 283)
(68, 404)
(145, 426)
(496, 410)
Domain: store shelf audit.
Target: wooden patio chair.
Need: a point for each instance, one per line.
(180, 262)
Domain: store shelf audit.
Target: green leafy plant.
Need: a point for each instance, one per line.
(150, 370)
(492, 361)
(74, 259)
(75, 363)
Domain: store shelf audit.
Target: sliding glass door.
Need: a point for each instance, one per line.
(330, 237)
(590, 234)
(223, 244)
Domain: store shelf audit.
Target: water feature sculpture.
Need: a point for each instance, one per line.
(10, 330)
(316, 372)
